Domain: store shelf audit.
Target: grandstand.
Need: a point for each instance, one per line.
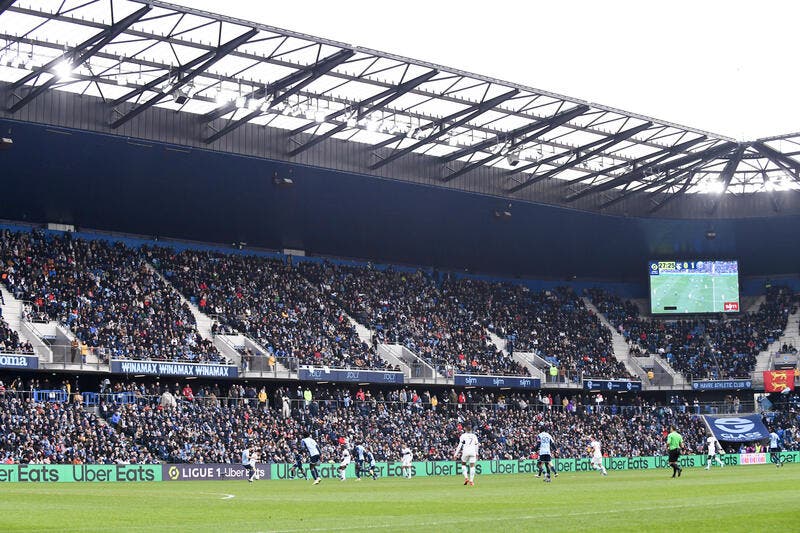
(225, 234)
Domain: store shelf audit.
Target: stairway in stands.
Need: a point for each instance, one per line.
(791, 335)
(500, 344)
(226, 344)
(12, 314)
(618, 342)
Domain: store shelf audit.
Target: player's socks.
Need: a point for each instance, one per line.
(464, 471)
(679, 471)
(471, 474)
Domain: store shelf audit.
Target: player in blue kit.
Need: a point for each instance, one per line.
(297, 470)
(359, 455)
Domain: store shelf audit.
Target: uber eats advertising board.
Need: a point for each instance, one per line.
(37, 473)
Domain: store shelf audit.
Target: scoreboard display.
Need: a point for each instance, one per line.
(694, 287)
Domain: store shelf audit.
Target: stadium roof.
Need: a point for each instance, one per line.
(138, 54)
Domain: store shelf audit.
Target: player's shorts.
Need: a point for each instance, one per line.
(597, 460)
(776, 449)
(345, 462)
(545, 458)
(468, 458)
(248, 467)
(674, 455)
(712, 454)
(406, 460)
(313, 460)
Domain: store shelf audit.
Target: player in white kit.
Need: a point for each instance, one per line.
(468, 448)
(312, 448)
(713, 446)
(545, 441)
(406, 457)
(344, 462)
(597, 456)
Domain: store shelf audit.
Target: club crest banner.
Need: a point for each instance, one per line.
(745, 428)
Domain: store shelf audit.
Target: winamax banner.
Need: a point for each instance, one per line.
(207, 472)
(156, 368)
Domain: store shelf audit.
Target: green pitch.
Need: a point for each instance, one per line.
(693, 293)
(744, 498)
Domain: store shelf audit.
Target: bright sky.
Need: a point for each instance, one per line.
(726, 66)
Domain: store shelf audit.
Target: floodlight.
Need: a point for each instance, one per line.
(63, 70)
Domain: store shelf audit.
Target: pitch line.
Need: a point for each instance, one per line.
(484, 519)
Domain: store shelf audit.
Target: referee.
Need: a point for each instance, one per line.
(674, 446)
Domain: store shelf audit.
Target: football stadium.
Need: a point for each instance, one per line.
(254, 279)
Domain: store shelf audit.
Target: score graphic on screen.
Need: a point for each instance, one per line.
(694, 287)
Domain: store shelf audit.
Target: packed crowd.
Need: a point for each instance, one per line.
(411, 308)
(175, 422)
(209, 428)
(60, 432)
(10, 341)
(105, 294)
(554, 324)
(702, 348)
(268, 300)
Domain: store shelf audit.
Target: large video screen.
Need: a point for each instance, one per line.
(694, 287)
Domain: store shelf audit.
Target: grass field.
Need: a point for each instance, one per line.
(693, 293)
(745, 498)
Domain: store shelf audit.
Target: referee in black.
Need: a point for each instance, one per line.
(674, 446)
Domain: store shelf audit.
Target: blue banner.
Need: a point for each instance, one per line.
(162, 368)
(351, 376)
(722, 384)
(612, 385)
(21, 362)
(512, 382)
(743, 428)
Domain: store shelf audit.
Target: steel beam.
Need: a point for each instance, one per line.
(780, 159)
(182, 80)
(362, 109)
(662, 154)
(290, 84)
(538, 128)
(376, 102)
(556, 120)
(674, 195)
(727, 175)
(476, 110)
(655, 168)
(609, 142)
(287, 81)
(5, 4)
(79, 54)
